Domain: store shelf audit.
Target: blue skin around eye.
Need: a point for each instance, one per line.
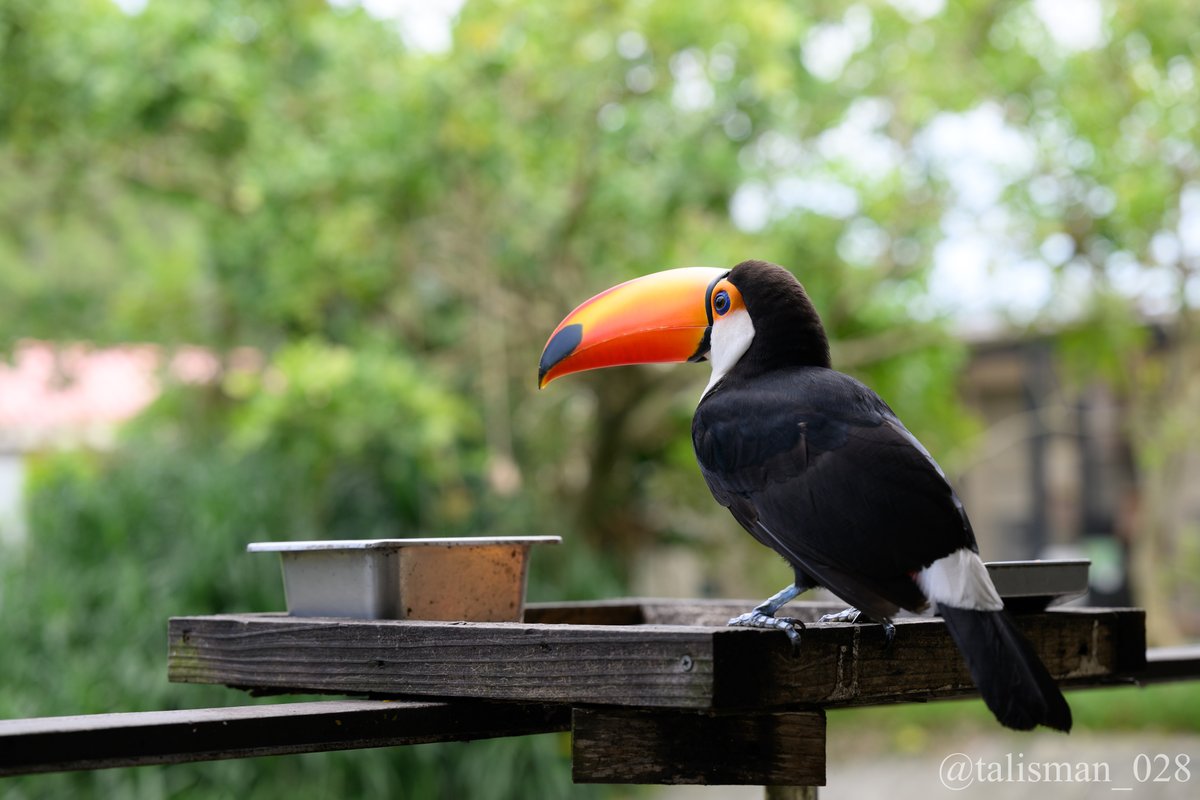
(721, 302)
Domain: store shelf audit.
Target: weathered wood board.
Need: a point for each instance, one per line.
(624, 745)
(641, 665)
(54, 744)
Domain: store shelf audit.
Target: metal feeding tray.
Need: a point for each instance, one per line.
(1034, 585)
(478, 579)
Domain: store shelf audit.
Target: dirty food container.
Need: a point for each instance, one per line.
(474, 579)
(1034, 585)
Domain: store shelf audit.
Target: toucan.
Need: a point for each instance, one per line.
(814, 465)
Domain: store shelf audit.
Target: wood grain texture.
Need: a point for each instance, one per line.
(640, 665)
(648, 665)
(842, 665)
(697, 747)
(168, 737)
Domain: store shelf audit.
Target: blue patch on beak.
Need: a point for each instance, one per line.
(558, 348)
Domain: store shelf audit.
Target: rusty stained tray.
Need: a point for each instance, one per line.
(476, 579)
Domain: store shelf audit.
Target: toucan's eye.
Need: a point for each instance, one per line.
(721, 302)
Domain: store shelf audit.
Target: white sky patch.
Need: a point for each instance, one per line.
(1154, 287)
(1074, 25)
(1192, 291)
(1057, 248)
(969, 283)
(775, 151)
(977, 152)
(959, 280)
(750, 206)
(828, 48)
(1160, 290)
(863, 243)
(692, 92)
(631, 45)
(1165, 248)
(982, 273)
(1189, 221)
(859, 143)
(756, 204)
(131, 7)
(425, 25)
(823, 196)
(918, 10)
(1124, 272)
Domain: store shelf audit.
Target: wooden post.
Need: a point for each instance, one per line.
(613, 745)
(791, 793)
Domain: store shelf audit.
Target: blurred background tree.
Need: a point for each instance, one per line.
(391, 225)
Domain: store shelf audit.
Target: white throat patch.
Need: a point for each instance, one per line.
(731, 338)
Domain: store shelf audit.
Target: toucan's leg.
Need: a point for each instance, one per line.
(854, 615)
(849, 615)
(763, 615)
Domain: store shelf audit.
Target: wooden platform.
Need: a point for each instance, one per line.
(632, 654)
(654, 691)
(659, 691)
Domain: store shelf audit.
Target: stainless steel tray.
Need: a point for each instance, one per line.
(478, 579)
(1034, 585)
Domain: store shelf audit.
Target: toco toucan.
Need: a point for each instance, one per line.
(814, 464)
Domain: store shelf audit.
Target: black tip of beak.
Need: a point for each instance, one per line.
(559, 347)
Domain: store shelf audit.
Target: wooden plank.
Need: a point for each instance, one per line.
(1164, 664)
(841, 665)
(660, 611)
(697, 747)
(587, 612)
(631, 665)
(53, 744)
(638, 665)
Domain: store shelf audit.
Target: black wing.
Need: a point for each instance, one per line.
(815, 466)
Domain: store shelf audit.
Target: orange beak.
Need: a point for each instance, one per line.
(663, 317)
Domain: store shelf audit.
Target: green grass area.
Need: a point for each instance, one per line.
(1166, 708)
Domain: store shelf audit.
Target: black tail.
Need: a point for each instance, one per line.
(1012, 679)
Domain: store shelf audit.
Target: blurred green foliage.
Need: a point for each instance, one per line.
(158, 528)
(392, 233)
(914, 727)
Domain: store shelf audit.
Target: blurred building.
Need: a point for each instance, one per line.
(1054, 474)
(67, 396)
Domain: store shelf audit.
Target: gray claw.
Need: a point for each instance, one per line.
(854, 615)
(848, 615)
(758, 619)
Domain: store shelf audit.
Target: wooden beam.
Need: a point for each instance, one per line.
(53, 744)
(671, 666)
(845, 665)
(636, 665)
(698, 747)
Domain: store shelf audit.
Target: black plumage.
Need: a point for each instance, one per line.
(816, 466)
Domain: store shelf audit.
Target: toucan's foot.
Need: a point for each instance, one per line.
(759, 619)
(849, 615)
(854, 615)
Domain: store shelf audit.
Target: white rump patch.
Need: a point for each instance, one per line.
(960, 580)
(731, 338)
